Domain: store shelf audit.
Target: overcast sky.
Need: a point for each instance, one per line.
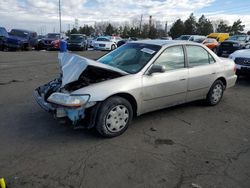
(40, 15)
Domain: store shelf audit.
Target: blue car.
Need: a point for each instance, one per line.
(3, 38)
(19, 39)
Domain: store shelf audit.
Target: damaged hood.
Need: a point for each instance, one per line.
(72, 66)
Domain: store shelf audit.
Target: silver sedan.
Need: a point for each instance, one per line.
(134, 79)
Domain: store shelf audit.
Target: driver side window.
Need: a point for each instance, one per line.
(172, 58)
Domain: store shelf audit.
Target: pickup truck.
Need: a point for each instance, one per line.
(234, 43)
(20, 39)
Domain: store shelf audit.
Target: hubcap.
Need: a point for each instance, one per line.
(117, 118)
(217, 93)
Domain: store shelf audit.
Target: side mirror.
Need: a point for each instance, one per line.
(157, 68)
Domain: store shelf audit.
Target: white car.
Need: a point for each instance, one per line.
(136, 78)
(106, 43)
(242, 60)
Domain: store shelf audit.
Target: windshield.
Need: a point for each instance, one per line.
(131, 57)
(53, 36)
(19, 33)
(3, 32)
(76, 37)
(184, 37)
(102, 39)
(200, 40)
(238, 38)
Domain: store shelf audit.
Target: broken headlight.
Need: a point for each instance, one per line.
(68, 100)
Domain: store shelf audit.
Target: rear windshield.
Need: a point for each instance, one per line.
(19, 33)
(53, 35)
(238, 38)
(131, 57)
(76, 37)
(102, 39)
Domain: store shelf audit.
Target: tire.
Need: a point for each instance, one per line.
(110, 111)
(215, 93)
(112, 47)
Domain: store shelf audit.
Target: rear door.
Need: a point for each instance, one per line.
(202, 71)
(168, 88)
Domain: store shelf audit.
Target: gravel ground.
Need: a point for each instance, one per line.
(190, 145)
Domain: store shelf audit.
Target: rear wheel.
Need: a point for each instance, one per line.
(215, 93)
(115, 115)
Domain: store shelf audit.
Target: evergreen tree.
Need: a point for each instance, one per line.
(109, 30)
(145, 31)
(73, 31)
(190, 25)
(152, 33)
(204, 26)
(237, 27)
(125, 32)
(223, 28)
(177, 29)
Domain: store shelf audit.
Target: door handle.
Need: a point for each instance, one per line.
(213, 73)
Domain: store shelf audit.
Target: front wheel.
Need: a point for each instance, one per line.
(215, 93)
(115, 114)
(112, 47)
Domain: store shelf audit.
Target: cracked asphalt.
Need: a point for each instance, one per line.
(190, 145)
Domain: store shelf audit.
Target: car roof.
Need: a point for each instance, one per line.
(163, 42)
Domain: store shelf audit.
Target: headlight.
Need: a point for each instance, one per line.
(68, 100)
(236, 45)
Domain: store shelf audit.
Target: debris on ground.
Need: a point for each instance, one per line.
(194, 185)
(152, 129)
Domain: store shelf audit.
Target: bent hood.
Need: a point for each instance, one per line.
(72, 66)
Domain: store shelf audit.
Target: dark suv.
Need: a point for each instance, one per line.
(77, 42)
(3, 38)
(234, 43)
(46, 42)
(20, 39)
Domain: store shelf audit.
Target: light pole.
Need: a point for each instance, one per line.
(60, 22)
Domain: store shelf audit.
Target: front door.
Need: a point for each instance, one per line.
(168, 88)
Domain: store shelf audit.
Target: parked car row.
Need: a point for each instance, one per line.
(220, 43)
(18, 39)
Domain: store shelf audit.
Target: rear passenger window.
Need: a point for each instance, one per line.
(198, 56)
(172, 58)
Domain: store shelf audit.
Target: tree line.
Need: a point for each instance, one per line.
(204, 27)
(190, 26)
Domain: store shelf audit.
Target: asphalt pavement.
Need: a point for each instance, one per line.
(190, 145)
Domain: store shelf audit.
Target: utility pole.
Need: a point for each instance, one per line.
(60, 17)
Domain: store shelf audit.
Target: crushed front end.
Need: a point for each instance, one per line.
(77, 108)
(58, 98)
